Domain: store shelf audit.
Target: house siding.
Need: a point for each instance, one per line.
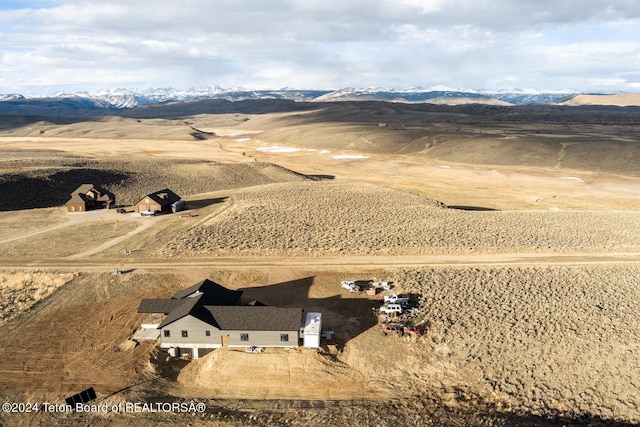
(196, 333)
(75, 207)
(262, 338)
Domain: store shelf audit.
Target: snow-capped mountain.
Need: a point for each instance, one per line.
(514, 97)
(129, 98)
(10, 97)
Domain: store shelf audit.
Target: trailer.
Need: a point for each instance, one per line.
(365, 285)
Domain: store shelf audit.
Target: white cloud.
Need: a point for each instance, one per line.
(322, 44)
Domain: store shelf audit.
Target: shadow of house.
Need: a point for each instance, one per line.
(345, 317)
(201, 203)
(89, 197)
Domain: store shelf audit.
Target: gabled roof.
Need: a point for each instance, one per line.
(163, 197)
(189, 307)
(244, 318)
(215, 294)
(84, 188)
(165, 306)
(79, 194)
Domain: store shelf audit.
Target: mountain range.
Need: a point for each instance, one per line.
(129, 98)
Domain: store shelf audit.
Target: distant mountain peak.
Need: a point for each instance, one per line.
(132, 97)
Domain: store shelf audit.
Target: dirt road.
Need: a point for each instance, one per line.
(329, 263)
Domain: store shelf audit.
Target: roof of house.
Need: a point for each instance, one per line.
(254, 318)
(79, 194)
(189, 307)
(218, 306)
(163, 197)
(215, 294)
(165, 306)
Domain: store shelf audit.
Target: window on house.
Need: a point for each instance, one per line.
(185, 334)
(207, 333)
(167, 333)
(244, 337)
(284, 337)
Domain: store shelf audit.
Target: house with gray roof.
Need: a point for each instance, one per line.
(87, 197)
(207, 316)
(162, 201)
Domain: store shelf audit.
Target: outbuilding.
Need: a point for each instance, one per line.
(312, 330)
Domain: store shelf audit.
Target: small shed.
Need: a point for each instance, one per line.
(312, 330)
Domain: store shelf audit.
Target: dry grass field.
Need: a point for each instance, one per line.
(517, 228)
(345, 218)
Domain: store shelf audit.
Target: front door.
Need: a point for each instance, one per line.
(225, 339)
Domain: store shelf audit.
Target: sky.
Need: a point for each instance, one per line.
(48, 46)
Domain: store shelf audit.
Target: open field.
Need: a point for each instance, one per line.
(346, 218)
(517, 227)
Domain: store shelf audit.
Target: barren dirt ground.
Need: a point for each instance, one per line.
(528, 333)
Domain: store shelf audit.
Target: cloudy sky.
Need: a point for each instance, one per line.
(52, 45)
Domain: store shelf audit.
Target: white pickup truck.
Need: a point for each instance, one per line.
(350, 285)
(391, 308)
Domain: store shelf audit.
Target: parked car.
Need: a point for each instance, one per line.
(392, 328)
(391, 308)
(148, 213)
(394, 298)
(254, 349)
(412, 330)
(121, 210)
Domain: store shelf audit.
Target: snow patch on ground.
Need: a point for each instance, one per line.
(279, 149)
(349, 156)
(572, 178)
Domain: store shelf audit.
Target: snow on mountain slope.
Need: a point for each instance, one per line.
(129, 98)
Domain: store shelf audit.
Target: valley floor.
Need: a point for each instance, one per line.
(527, 278)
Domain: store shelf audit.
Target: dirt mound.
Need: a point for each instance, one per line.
(77, 337)
(281, 374)
(338, 218)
